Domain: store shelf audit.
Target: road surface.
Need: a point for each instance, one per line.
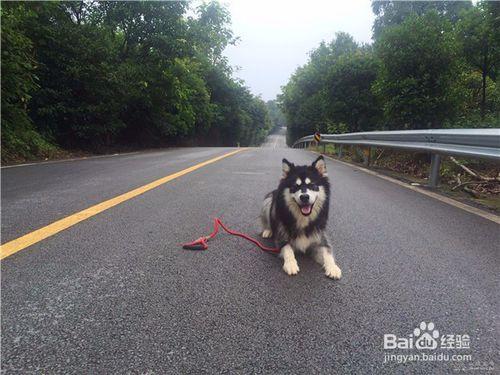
(276, 139)
(116, 294)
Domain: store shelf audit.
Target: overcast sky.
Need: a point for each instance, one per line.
(277, 35)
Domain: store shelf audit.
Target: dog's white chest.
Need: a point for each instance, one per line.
(302, 243)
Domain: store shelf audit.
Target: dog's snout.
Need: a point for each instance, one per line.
(304, 198)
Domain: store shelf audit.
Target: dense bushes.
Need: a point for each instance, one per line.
(432, 65)
(91, 75)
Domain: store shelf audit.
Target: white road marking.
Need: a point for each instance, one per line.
(67, 160)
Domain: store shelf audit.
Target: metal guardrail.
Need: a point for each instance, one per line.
(474, 143)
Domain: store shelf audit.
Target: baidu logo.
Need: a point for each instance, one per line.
(426, 337)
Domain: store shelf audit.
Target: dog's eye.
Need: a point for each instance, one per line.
(313, 186)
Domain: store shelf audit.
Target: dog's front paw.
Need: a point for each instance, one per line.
(291, 267)
(333, 271)
(267, 233)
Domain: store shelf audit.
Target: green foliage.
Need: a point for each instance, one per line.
(19, 82)
(90, 75)
(338, 128)
(480, 45)
(391, 13)
(276, 116)
(433, 64)
(211, 32)
(332, 91)
(417, 72)
(18, 67)
(349, 93)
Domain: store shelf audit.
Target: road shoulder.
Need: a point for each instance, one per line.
(435, 195)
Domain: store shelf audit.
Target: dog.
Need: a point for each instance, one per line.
(296, 213)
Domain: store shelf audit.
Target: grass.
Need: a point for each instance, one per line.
(27, 145)
(414, 168)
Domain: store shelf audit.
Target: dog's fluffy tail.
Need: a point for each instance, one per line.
(265, 215)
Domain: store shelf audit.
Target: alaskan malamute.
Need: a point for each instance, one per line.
(296, 213)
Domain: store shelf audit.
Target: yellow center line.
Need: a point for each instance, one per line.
(38, 235)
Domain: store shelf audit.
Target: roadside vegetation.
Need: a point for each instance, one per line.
(276, 116)
(474, 181)
(431, 65)
(99, 76)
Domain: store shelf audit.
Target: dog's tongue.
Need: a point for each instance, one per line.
(306, 210)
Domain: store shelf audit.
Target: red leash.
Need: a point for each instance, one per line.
(202, 242)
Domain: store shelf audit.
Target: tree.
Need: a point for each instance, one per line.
(391, 13)
(19, 84)
(350, 98)
(77, 102)
(332, 92)
(480, 44)
(94, 75)
(18, 69)
(276, 116)
(304, 99)
(417, 72)
(210, 31)
(145, 27)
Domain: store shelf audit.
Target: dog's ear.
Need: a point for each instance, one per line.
(320, 165)
(286, 167)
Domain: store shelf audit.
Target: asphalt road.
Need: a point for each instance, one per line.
(116, 294)
(276, 139)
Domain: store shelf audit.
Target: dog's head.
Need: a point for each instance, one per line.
(305, 188)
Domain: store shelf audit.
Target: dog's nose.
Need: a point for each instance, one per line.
(304, 198)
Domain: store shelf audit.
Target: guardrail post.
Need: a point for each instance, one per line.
(434, 172)
(324, 148)
(340, 151)
(367, 153)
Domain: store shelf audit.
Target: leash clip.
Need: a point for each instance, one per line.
(199, 244)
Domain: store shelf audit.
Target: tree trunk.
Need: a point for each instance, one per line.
(483, 87)
(483, 96)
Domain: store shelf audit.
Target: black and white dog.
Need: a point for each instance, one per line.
(296, 213)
